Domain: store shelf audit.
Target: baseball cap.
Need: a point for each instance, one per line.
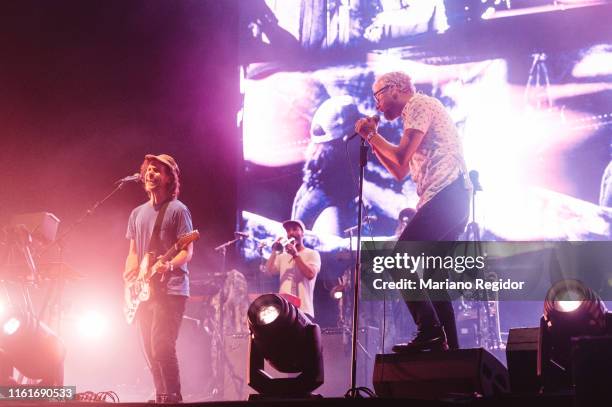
(294, 222)
(334, 119)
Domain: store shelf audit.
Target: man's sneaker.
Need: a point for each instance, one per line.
(432, 339)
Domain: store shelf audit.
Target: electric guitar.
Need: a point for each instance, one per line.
(140, 289)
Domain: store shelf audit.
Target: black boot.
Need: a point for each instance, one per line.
(428, 339)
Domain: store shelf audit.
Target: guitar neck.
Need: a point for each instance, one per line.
(183, 242)
(169, 254)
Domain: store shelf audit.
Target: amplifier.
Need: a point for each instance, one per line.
(436, 375)
(522, 359)
(337, 360)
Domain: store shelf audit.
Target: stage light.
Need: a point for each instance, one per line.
(571, 309)
(33, 348)
(92, 325)
(337, 291)
(567, 297)
(567, 306)
(11, 326)
(268, 314)
(291, 343)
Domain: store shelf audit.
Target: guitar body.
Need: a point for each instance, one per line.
(141, 289)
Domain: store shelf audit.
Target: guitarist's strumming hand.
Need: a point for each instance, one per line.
(162, 267)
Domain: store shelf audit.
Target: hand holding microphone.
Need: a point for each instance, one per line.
(290, 248)
(281, 243)
(365, 126)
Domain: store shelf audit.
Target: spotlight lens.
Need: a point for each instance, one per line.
(11, 326)
(568, 301)
(567, 306)
(268, 314)
(338, 295)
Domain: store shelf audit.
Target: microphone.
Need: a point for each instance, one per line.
(242, 235)
(129, 178)
(349, 138)
(475, 181)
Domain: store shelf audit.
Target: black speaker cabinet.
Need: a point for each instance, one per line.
(436, 375)
(522, 359)
(592, 376)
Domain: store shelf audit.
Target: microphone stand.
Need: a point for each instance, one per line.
(60, 243)
(220, 371)
(363, 160)
(487, 309)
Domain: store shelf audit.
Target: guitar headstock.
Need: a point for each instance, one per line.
(184, 240)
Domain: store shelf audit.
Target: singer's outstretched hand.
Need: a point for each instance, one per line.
(365, 126)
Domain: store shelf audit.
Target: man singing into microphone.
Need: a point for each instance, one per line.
(431, 152)
(297, 265)
(155, 226)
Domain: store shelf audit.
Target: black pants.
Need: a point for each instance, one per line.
(443, 218)
(159, 320)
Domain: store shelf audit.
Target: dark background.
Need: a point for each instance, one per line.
(90, 87)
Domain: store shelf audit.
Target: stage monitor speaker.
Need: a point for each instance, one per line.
(235, 370)
(592, 376)
(336, 363)
(437, 375)
(522, 359)
(337, 360)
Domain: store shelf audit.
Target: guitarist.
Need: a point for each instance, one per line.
(154, 227)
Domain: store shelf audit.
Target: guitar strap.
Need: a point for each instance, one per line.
(155, 241)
